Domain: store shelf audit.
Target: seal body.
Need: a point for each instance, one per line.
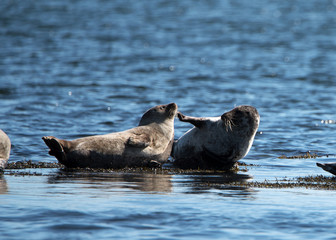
(329, 167)
(216, 142)
(149, 143)
(5, 147)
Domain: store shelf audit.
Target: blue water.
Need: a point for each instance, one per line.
(78, 68)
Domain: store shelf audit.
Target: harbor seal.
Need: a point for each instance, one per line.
(216, 142)
(149, 143)
(5, 147)
(329, 167)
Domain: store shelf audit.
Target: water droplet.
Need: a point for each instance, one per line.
(328, 121)
(69, 93)
(171, 68)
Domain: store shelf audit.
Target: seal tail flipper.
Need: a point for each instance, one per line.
(331, 167)
(320, 165)
(56, 148)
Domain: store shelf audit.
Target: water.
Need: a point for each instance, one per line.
(78, 68)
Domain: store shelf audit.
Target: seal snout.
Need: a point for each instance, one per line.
(172, 109)
(172, 106)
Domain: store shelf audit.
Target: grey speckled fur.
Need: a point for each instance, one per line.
(216, 142)
(150, 142)
(5, 147)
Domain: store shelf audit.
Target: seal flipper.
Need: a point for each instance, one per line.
(327, 167)
(154, 164)
(139, 140)
(196, 121)
(56, 148)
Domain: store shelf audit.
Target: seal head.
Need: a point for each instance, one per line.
(159, 114)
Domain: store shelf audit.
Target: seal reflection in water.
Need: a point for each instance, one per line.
(216, 142)
(149, 143)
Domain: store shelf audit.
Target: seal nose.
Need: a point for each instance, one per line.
(171, 109)
(171, 106)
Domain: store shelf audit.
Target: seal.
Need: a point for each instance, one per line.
(216, 142)
(329, 167)
(148, 144)
(5, 147)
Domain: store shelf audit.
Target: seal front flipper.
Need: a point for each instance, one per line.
(197, 122)
(139, 140)
(154, 164)
(56, 148)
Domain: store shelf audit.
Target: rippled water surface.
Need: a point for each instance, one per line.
(78, 68)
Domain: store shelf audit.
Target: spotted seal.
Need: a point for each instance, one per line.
(5, 147)
(216, 142)
(148, 143)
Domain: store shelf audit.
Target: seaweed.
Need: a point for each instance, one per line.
(168, 167)
(31, 164)
(21, 168)
(308, 182)
(304, 156)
